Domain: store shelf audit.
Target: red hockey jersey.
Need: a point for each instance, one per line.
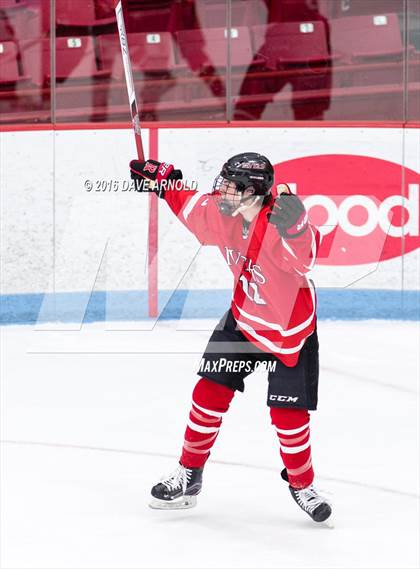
(273, 302)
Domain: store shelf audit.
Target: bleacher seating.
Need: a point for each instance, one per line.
(331, 59)
(150, 17)
(299, 10)
(149, 52)
(367, 38)
(214, 42)
(291, 43)
(148, 21)
(22, 21)
(104, 9)
(75, 59)
(344, 8)
(83, 14)
(9, 68)
(213, 14)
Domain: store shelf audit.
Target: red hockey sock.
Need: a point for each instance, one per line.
(210, 401)
(292, 426)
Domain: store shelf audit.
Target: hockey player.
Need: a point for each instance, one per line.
(269, 246)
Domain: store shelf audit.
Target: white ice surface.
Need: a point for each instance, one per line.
(89, 423)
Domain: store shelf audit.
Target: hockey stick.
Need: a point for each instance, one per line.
(135, 119)
(129, 80)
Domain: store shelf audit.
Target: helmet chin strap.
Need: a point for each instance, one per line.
(245, 206)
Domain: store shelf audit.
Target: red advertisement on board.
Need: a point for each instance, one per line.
(367, 209)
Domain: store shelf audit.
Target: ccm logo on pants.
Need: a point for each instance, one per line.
(285, 398)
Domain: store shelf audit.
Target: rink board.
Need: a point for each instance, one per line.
(60, 237)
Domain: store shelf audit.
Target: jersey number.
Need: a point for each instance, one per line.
(251, 291)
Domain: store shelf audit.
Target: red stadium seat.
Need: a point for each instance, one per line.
(75, 59)
(291, 43)
(344, 8)
(23, 21)
(367, 38)
(300, 10)
(149, 53)
(67, 14)
(79, 14)
(213, 14)
(214, 41)
(148, 20)
(9, 68)
(104, 9)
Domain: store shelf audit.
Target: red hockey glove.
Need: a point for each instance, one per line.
(152, 176)
(289, 216)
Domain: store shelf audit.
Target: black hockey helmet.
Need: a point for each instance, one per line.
(249, 169)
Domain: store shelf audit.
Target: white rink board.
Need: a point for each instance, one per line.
(57, 236)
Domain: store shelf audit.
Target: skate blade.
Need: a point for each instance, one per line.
(329, 523)
(183, 503)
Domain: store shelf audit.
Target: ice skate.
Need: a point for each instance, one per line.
(308, 499)
(179, 490)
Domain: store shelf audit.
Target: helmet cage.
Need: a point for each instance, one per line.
(222, 188)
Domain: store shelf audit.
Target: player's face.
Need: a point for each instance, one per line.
(226, 194)
(229, 193)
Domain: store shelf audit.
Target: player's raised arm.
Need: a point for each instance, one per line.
(194, 209)
(298, 239)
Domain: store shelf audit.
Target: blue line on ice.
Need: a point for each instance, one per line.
(99, 306)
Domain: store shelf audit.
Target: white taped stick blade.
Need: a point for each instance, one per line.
(182, 503)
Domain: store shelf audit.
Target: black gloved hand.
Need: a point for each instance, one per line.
(288, 214)
(153, 176)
